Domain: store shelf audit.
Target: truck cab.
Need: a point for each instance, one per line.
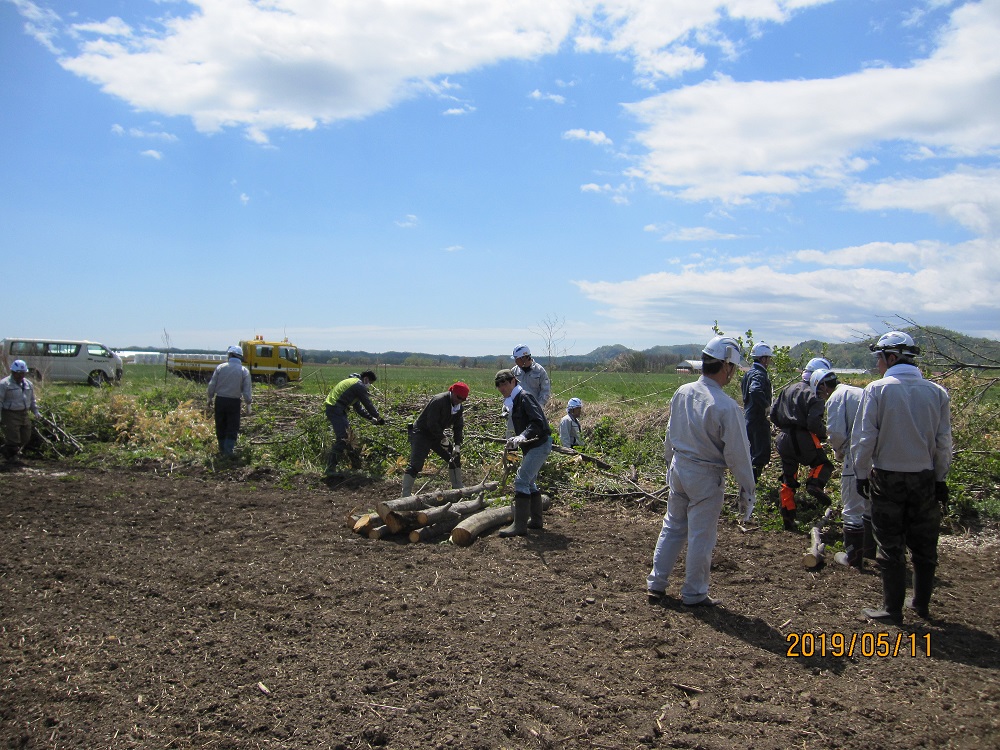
(272, 362)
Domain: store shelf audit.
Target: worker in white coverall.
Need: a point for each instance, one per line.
(706, 434)
(859, 543)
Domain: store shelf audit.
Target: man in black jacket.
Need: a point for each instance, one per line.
(533, 436)
(427, 434)
(800, 415)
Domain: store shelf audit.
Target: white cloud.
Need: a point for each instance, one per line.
(661, 37)
(554, 98)
(454, 248)
(244, 198)
(139, 133)
(113, 26)
(40, 23)
(152, 154)
(967, 196)
(464, 110)
(410, 220)
(617, 194)
(263, 66)
(839, 292)
(591, 136)
(689, 234)
(731, 140)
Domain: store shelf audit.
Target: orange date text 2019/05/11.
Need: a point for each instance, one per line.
(879, 645)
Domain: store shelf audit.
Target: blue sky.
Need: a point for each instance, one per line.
(454, 176)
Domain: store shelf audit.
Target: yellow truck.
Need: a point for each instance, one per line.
(274, 362)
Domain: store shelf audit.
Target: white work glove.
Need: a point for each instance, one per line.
(208, 406)
(513, 443)
(504, 411)
(746, 503)
(455, 453)
(249, 410)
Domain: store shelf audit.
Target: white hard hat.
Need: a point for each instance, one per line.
(725, 348)
(896, 341)
(521, 351)
(817, 363)
(819, 376)
(573, 403)
(18, 365)
(235, 351)
(760, 349)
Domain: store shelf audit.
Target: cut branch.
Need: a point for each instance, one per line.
(466, 532)
(813, 558)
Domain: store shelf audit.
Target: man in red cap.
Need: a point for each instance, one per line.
(428, 434)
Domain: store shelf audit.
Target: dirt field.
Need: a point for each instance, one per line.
(147, 611)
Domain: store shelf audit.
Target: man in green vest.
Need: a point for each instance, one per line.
(351, 392)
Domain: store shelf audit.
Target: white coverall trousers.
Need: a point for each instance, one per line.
(693, 508)
(856, 508)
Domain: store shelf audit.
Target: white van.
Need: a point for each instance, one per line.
(69, 361)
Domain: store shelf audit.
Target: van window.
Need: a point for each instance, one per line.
(265, 352)
(26, 348)
(289, 352)
(96, 350)
(62, 350)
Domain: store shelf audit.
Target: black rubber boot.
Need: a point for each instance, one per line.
(521, 510)
(816, 490)
(869, 546)
(893, 593)
(331, 462)
(535, 516)
(923, 585)
(788, 519)
(852, 554)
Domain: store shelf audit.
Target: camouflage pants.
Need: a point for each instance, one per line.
(905, 514)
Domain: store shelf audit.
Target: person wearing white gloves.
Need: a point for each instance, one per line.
(533, 437)
(706, 434)
(230, 382)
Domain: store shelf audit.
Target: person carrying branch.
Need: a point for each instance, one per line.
(17, 404)
(427, 434)
(706, 435)
(902, 451)
(800, 416)
(533, 437)
(349, 393)
(230, 382)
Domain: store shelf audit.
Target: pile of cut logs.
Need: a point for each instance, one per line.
(431, 516)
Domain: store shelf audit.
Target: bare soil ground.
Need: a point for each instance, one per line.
(146, 611)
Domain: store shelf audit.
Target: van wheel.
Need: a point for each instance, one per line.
(97, 378)
(279, 380)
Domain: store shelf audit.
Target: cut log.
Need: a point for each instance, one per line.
(479, 523)
(432, 532)
(431, 499)
(365, 523)
(813, 558)
(378, 532)
(459, 510)
(401, 521)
